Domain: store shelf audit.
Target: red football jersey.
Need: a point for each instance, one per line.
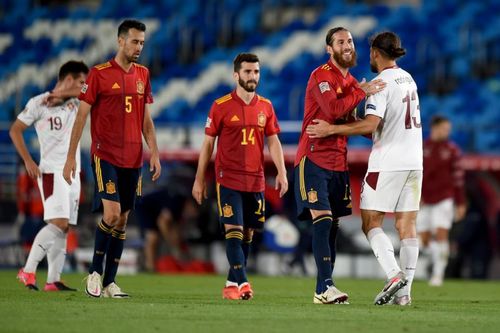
(332, 97)
(443, 175)
(240, 128)
(118, 99)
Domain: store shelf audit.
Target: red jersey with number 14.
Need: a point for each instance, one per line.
(118, 101)
(240, 128)
(331, 97)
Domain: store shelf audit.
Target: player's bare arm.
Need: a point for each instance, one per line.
(16, 134)
(69, 169)
(149, 133)
(276, 151)
(320, 128)
(58, 96)
(199, 191)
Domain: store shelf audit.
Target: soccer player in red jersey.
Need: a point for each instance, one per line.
(116, 94)
(322, 189)
(240, 121)
(442, 189)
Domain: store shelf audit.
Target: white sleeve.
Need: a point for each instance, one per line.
(30, 113)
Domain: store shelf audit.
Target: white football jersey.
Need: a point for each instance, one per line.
(53, 127)
(397, 142)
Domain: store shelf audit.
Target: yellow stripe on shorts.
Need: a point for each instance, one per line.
(302, 183)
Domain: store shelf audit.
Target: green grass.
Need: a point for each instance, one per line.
(183, 303)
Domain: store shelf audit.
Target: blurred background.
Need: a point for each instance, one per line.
(453, 52)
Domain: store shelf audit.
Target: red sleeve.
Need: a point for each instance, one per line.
(272, 126)
(324, 93)
(89, 90)
(458, 177)
(212, 126)
(147, 91)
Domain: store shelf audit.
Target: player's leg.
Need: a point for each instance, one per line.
(424, 233)
(129, 187)
(106, 200)
(408, 253)
(340, 201)
(380, 193)
(442, 219)
(406, 216)
(311, 195)
(67, 197)
(46, 237)
(230, 207)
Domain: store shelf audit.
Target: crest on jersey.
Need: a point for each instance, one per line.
(324, 86)
(261, 119)
(227, 211)
(140, 87)
(110, 187)
(84, 88)
(312, 196)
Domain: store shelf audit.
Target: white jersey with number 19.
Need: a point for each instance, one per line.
(397, 142)
(53, 127)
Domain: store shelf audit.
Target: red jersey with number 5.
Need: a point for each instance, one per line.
(118, 101)
(332, 97)
(240, 128)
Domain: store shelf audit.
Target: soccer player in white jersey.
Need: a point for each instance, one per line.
(53, 126)
(393, 181)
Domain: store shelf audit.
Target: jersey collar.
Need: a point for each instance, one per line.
(242, 102)
(115, 64)
(390, 67)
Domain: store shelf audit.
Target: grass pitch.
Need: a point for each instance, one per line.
(183, 303)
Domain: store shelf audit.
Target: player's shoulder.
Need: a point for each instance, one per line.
(454, 146)
(223, 100)
(322, 70)
(103, 66)
(141, 67)
(37, 101)
(264, 100)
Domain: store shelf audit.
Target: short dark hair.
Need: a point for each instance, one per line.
(126, 25)
(73, 68)
(331, 32)
(244, 57)
(389, 44)
(438, 119)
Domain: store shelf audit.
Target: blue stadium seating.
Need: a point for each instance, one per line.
(445, 41)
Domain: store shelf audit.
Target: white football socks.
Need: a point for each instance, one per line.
(439, 254)
(384, 251)
(408, 257)
(56, 257)
(41, 245)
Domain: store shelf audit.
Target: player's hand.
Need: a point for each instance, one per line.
(319, 129)
(372, 87)
(281, 184)
(155, 167)
(69, 170)
(53, 99)
(32, 169)
(199, 191)
(460, 211)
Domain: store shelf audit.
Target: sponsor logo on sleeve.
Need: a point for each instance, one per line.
(84, 88)
(324, 86)
(208, 123)
(371, 107)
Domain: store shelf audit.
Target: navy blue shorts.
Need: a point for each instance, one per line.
(321, 189)
(241, 208)
(117, 184)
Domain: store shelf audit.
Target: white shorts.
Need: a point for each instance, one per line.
(391, 191)
(438, 215)
(60, 200)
